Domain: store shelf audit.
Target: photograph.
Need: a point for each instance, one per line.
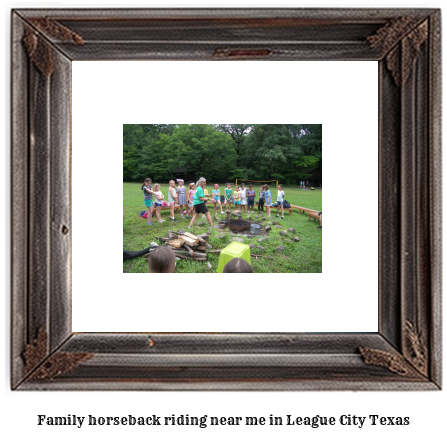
(223, 198)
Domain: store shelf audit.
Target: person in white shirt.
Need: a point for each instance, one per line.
(158, 201)
(243, 198)
(280, 201)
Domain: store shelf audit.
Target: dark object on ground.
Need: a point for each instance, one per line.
(319, 214)
(132, 254)
(239, 225)
(286, 204)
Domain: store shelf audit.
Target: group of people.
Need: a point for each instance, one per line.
(244, 199)
(162, 260)
(194, 201)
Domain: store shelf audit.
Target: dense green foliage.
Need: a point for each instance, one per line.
(287, 153)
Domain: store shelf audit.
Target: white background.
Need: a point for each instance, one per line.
(338, 300)
(19, 410)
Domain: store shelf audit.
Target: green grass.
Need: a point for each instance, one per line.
(303, 257)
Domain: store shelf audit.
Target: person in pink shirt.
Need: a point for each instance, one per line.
(191, 193)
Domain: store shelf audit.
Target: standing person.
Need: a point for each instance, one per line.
(261, 200)
(216, 195)
(205, 191)
(268, 199)
(148, 199)
(237, 198)
(191, 192)
(280, 201)
(172, 198)
(251, 194)
(243, 197)
(228, 197)
(199, 203)
(181, 194)
(158, 202)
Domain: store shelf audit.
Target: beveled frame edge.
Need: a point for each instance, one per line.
(436, 193)
(41, 300)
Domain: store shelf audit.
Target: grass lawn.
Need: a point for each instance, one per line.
(303, 257)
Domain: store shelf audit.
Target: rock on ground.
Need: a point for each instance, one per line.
(237, 239)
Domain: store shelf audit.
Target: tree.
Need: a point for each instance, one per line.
(133, 141)
(222, 152)
(142, 155)
(275, 150)
(200, 148)
(238, 133)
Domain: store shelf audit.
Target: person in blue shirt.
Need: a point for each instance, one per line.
(268, 199)
(216, 196)
(148, 199)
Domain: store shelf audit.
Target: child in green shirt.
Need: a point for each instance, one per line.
(228, 197)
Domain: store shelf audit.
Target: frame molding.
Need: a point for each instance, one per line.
(405, 354)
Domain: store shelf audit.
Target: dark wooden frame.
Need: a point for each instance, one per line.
(405, 354)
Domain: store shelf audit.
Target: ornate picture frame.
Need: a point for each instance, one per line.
(405, 353)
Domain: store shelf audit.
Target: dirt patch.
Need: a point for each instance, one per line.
(224, 227)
